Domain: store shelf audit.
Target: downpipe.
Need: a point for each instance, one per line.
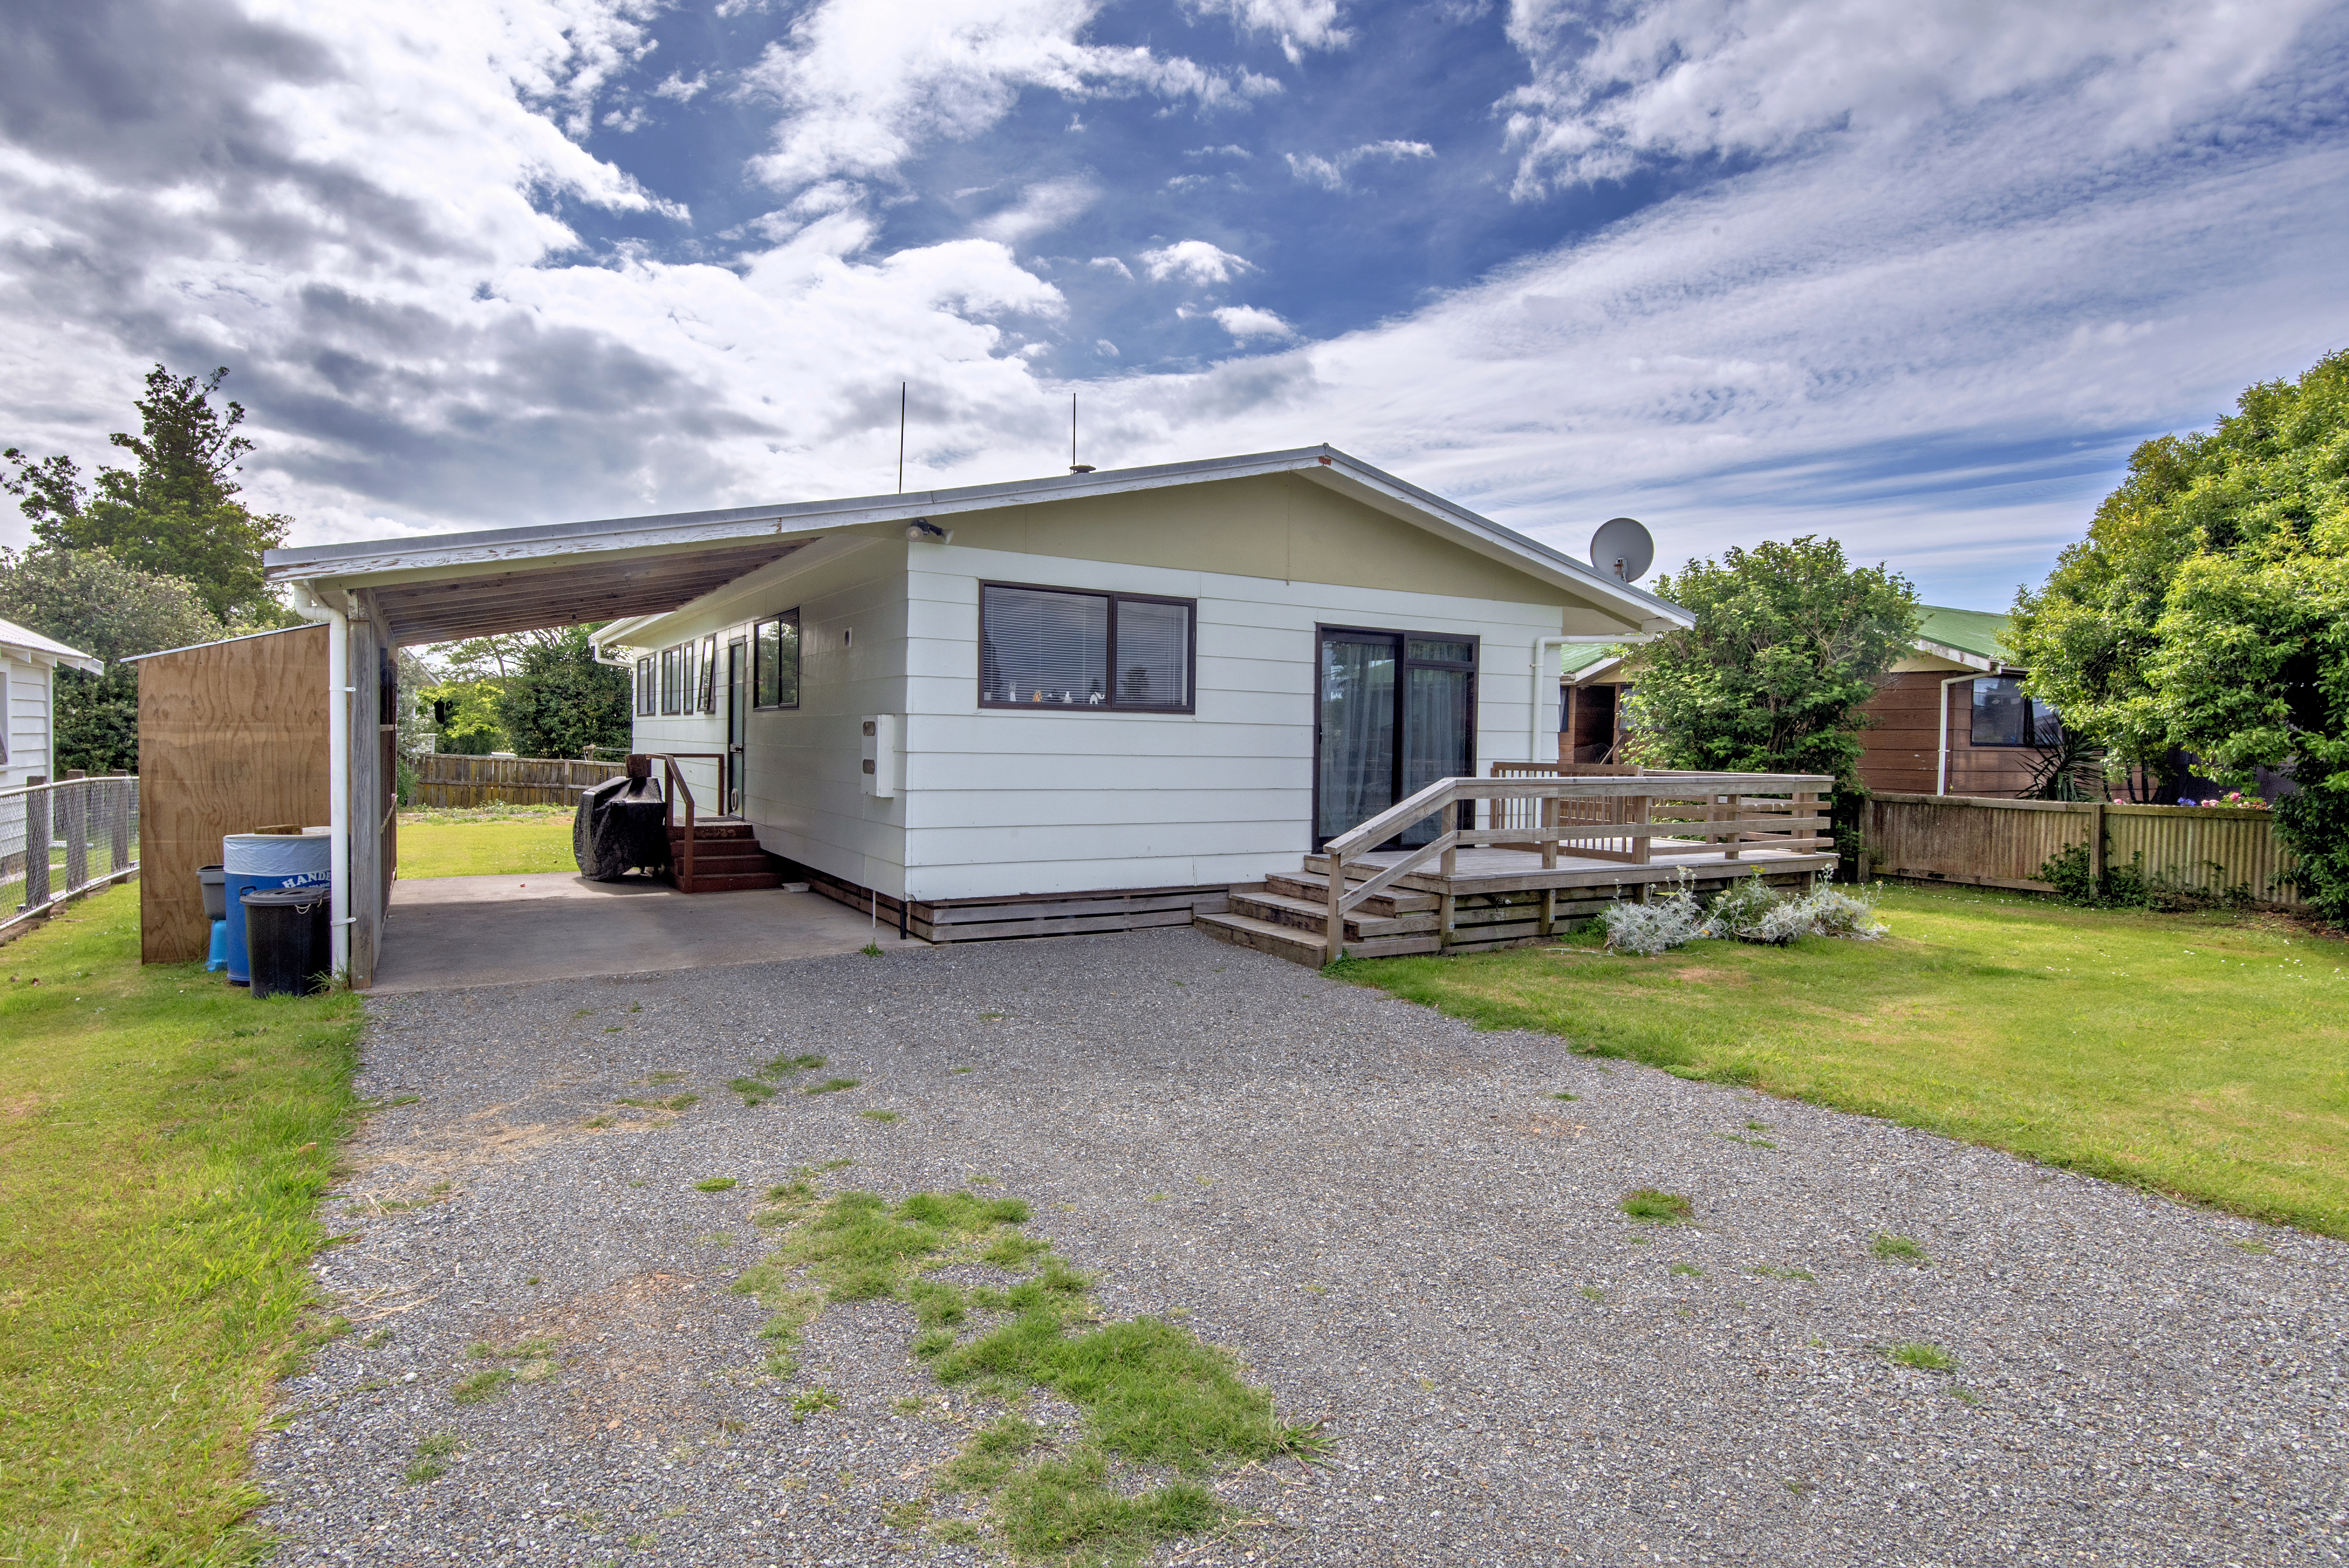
(311, 607)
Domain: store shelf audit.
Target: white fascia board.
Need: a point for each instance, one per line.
(46, 652)
(1590, 676)
(1958, 656)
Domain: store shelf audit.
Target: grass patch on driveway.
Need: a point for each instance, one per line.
(166, 1140)
(2203, 1055)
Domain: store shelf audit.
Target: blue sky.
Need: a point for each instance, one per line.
(1917, 276)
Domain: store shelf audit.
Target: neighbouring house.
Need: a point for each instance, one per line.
(1107, 698)
(28, 664)
(1950, 719)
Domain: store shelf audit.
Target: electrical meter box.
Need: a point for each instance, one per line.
(877, 776)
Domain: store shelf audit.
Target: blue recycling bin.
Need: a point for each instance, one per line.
(260, 861)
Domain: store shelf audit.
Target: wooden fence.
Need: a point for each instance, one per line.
(1989, 842)
(443, 779)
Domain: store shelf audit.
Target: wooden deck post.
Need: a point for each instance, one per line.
(1334, 927)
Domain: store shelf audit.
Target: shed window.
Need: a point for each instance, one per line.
(2005, 716)
(646, 691)
(775, 660)
(1056, 648)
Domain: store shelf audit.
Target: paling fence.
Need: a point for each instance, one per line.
(62, 839)
(446, 780)
(1988, 842)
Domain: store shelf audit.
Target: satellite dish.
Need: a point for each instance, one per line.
(1622, 549)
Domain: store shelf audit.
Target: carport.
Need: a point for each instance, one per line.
(381, 595)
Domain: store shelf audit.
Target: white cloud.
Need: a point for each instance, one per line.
(1229, 149)
(1193, 260)
(1042, 208)
(1111, 264)
(1299, 25)
(861, 83)
(675, 86)
(1689, 77)
(1245, 322)
(1330, 173)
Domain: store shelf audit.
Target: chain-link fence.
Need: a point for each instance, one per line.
(58, 841)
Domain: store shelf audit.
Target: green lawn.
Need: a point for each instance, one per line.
(2206, 1056)
(165, 1141)
(493, 841)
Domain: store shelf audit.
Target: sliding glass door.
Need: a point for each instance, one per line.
(1396, 712)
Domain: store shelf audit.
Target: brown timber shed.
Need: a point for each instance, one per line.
(232, 737)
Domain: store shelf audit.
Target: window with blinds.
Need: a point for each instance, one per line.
(1061, 650)
(775, 661)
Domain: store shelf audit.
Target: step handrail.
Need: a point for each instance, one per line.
(1721, 793)
(674, 784)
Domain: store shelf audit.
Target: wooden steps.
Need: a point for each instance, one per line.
(726, 858)
(1310, 948)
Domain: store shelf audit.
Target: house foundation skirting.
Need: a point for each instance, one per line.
(1022, 915)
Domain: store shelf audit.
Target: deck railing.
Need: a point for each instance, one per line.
(60, 840)
(1622, 815)
(675, 786)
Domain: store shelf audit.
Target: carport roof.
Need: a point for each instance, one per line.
(441, 587)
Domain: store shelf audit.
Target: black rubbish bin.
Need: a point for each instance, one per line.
(215, 885)
(286, 940)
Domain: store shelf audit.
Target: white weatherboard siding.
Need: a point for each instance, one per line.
(801, 767)
(999, 801)
(24, 709)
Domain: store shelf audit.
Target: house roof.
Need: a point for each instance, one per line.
(464, 585)
(1973, 637)
(35, 648)
(1580, 661)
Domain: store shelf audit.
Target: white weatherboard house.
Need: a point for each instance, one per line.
(1161, 678)
(28, 662)
(1079, 703)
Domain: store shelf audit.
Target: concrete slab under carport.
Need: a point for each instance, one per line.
(447, 933)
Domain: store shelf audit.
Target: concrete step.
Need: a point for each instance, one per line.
(1314, 888)
(1303, 946)
(1313, 916)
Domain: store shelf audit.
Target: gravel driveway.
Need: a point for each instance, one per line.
(1384, 1211)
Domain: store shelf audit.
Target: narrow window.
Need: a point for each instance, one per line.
(643, 686)
(668, 680)
(1057, 649)
(709, 672)
(689, 685)
(775, 662)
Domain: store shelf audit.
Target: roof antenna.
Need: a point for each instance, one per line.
(901, 438)
(1075, 467)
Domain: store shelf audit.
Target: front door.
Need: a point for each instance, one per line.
(738, 701)
(1397, 711)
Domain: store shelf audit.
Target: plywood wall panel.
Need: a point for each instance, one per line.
(232, 737)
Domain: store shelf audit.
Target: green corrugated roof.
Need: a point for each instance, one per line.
(1577, 657)
(1977, 632)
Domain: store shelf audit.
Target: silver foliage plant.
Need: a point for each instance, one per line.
(1748, 909)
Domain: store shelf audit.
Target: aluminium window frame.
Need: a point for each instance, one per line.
(1473, 667)
(1109, 703)
(2032, 710)
(647, 686)
(672, 680)
(799, 660)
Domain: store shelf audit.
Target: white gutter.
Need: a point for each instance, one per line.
(1941, 774)
(311, 607)
(1542, 645)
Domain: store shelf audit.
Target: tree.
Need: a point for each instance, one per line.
(2208, 611)
(90, 601)
(175, 512)
(560, 701)
(1789, 640)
